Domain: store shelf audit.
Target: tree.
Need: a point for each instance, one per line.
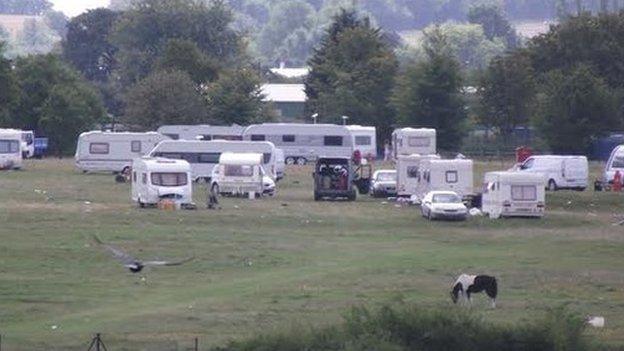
(352, 73)
(575, 106)
(164, 97)
(184, 55)
(429, 94)
(9, 90)
(57, 21)
(494, 23)
(25, 7)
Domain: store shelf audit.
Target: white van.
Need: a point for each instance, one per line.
(513, 194)
(560, 172)
(154, 179)
(408, 173)
(10, 149)
(204, 155)
(364, 140)
(239, 174)
(446, 175)
(113, 152)
(408, 141)
(280, 164)
(28, 143)
(614, 163)
(304, 142)
(202, 132)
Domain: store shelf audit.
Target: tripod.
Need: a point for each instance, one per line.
(97, 344)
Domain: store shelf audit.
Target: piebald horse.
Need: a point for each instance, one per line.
(466, 285)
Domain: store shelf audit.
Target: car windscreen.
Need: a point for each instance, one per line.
(446, 199)
(9, 146)
(169, 178)
(387, 177)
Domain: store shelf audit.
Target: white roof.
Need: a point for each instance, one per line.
(291, 72)
(11, 133)
(517, 177)
(165, 164)
(294, 128)
(284, 92)
(417, 131)
(358, 128)
(418, 157)
(232, 158)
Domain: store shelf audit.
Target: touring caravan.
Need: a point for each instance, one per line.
(10, 149)
(614, 164)
(204, 155)
(155, 179)
(448, 175)
(28, 143)
(408, 141)
(202, 132)
(113, 152)
(365, 140)
(408, 172)
(304, 142)
(239, 174)
(513, 194)
(560, 172)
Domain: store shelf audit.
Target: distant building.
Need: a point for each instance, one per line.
(291, 73)
(14, 24)
(289, 99)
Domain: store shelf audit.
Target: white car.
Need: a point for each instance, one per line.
(384, 183)
(443, 205)
(268, 184)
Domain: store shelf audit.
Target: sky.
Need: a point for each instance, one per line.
(75, 7)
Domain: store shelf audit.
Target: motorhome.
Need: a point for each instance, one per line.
(239, 174)
(28, 143)
(408, 141)
(614, 164)
(560, 172)
(513, 194)
(155, 179)
(408, 167)
(202, 132)
(280, 164)
(113, 152)
(204, 155)
(364, 139)
(446, 175)
(304, 142)
(10, 149)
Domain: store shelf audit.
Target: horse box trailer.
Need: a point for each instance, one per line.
(113, 152)
(408, 173)
(155, 179)
(446, 175)
(365, 140)
(202, 132)
(10, 149)
(560, 172)
(409, 141)
(513, 194)
(304, 142)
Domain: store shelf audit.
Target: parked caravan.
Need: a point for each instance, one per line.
(239, 174)
(280, 164)
(10, 149)
(560, 172)
(513, 194)
(204, 155)
(446, 175)
(155, 179)
(365, 140)
(614, 164)
(408, 172)
(113, 152)
(28, 143)
(202, 132)
(409, 141)
(304, 142)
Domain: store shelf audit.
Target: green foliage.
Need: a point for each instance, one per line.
(428, 94)
(184, 55)
(494, 23)
(57, 21)
(9, 91)
(164, 97)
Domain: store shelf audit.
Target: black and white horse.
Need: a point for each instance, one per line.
(466, 285)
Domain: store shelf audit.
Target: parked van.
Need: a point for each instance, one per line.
(113, 152)
(560, 172)
(513, 194)
(155, 179)
(446, 175)
(202, 132)
(28, 143)
(409, 141)
(304, 142)
(204, 155)
(614, 164)
(365, 140)
(408, 173)
(10, 149)
(239, 174)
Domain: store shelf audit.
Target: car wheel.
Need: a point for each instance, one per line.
(552, 186)
(301, 161)
(429, 216)
(141, 204)
(290, 160)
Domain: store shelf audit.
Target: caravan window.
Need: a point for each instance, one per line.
(332, 140)
(363, 140)
(173, 156)
(172, 136)
(9, 146)
(418, 141)
(238, 171)
(205, 137)
(412, 172)
(288, 138)
(618, 162)
(266, 157)
(211, 157)
(258, 137)
(451, 176)
(99, 148)
(135, 146)
(524, 192)
(169, 179)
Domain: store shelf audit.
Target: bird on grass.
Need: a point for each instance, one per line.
(133, 264)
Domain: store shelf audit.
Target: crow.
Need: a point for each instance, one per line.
(133, 264)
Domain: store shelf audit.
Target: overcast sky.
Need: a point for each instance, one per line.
(75, 7)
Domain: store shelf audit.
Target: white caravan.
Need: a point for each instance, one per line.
(204, 155)
(155, 179)
(280, 164)
(28, 143)
(446, 175)
(365, 140)
(408, 141)
(202, 132)
(569, 172)
(513, 194)
(113, 152)
(10, 149)
(408, 173)
(239, 173)
(614, 164)
(304, 142)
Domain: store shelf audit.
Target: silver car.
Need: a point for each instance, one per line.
(384, 183)
(443, 205)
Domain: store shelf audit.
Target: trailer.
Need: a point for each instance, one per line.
(409, 141)
(156, 179)
(446, 175)
(408, 173)
(364, 140)
(513, 194)
(10, 149)
(204, 132)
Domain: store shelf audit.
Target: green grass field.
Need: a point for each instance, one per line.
(268, 264)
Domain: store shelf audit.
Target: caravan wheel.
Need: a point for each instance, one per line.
(290, 160)
(301, 161)
(141, 204)
(552, 186)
